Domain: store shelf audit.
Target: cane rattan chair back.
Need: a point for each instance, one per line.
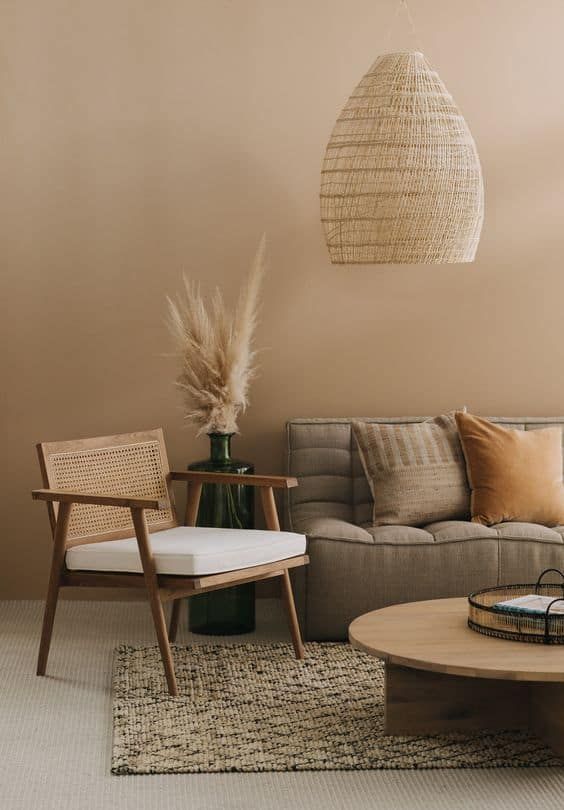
(131, 464)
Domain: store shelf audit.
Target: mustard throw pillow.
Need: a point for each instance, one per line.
(514, 475)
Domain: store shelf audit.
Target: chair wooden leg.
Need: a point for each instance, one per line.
(292, 615)
(174, 620)
(162, 638)
(272, 523)
(57, 563)
(48, 621)
(152, 585)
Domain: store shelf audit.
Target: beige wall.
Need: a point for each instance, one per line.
(141, 138)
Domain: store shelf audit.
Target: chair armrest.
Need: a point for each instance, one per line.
(130, 502)
(196, 477)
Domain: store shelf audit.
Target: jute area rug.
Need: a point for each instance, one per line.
(253, 707)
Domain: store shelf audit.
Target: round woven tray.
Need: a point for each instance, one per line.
(541, 628)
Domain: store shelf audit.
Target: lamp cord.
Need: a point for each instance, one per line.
(403, 4)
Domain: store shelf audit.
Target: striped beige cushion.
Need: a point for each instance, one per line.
(416, 471)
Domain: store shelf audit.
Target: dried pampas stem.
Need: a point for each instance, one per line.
(216, 350)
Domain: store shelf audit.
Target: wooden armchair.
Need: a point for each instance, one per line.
(114, 524)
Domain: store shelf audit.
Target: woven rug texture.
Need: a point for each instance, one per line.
(254, 708)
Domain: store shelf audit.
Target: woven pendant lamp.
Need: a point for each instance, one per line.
(401, 181)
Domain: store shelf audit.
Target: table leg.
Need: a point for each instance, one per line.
(419, 702)
(547, 714)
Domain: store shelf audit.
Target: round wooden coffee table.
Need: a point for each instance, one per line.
(441, 676)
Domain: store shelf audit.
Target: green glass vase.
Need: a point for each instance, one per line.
(228, 611)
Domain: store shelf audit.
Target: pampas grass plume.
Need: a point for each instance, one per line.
(216, 350)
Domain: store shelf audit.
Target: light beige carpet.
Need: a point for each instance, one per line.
(254, 708)
(56, 749)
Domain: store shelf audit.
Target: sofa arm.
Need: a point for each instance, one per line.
(329, 528)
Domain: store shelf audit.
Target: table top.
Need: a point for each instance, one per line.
(434, 636)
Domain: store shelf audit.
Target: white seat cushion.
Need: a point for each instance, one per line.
(190, 551)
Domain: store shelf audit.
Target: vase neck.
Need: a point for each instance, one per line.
(220, 446)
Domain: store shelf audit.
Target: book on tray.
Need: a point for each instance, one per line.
(532, 603)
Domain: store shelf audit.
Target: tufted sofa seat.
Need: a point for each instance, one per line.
(355, 567)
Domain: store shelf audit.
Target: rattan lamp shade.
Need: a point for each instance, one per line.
(401, 181)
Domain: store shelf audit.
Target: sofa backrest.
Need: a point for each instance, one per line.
(323, 455)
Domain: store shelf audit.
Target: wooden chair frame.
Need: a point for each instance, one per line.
(160, 588)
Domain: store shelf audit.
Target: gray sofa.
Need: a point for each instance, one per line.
(355, 567)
